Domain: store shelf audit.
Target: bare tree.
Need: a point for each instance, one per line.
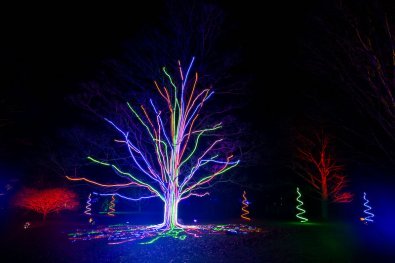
(165, 105)
(355, 49)
(174, 152)
(316, 164)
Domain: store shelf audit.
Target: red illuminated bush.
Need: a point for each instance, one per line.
(46, 201)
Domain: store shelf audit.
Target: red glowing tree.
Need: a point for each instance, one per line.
(317, 165)
(46, 201)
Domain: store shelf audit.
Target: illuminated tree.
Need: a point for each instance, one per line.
(46, 201)
(317, 165)
(173, 152)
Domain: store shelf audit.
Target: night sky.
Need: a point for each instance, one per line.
(46, 53)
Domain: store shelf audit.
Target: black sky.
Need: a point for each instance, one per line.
(47, 53)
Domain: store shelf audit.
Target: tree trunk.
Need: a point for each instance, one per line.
(324, 197)
(170, 218)
(44, 217)
(324, 209)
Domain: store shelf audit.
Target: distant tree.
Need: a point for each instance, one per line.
(355, 50)
(316, 164)
(46, 201)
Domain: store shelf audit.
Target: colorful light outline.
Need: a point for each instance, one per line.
(245, 213)
(302, 211)
(173, 146)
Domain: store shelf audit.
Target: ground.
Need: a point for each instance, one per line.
(280, 242)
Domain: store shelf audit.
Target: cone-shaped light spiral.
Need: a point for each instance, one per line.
(299, 207)
(368, 215)
(111, 209)
(88, 210)
(245, 213)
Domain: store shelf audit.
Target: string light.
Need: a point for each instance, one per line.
(125, 197)
(299, 207)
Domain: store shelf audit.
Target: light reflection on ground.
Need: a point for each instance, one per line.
(121, 233)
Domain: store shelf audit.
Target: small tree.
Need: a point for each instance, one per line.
(320, 169)
(46, 201)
